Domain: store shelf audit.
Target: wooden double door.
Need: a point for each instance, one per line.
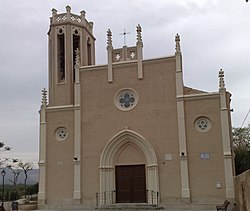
(130, 184)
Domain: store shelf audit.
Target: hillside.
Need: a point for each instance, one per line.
(32, 177)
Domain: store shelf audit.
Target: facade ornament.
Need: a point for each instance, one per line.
(109, 54)
(139, 35)
(177, 43)
(83, 14)
(44, 98)
(91, 24)
(68, 9)
(77, 65)
(54, 12)
(77, 59)
(139, 45)
(109, 36)
(221, 81)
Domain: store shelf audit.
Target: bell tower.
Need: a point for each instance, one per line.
(67, 33)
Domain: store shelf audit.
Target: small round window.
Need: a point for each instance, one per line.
(126, 99)
(61, 134)
(202, 124)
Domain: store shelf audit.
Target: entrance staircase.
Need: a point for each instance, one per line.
(144, 206)
(132, 206)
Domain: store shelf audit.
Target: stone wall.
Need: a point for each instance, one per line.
(242, 183)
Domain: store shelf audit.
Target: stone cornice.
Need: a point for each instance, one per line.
(118, 64)
(62, 108)
(198, 96)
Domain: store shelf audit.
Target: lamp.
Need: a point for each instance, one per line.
(3, 173)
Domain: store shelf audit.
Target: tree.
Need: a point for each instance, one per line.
(2, 144)
(32, 189)
(241, 146)
(26, 168)
(6, 148)
(16, 172)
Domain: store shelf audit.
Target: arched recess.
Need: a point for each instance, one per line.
(107, 163)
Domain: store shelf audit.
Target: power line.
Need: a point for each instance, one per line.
(245, 118)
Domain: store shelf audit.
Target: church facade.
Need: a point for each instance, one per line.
(128, 132)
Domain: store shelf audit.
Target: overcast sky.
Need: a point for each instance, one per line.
(214, 34)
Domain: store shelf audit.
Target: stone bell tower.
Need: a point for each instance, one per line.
(67, 33)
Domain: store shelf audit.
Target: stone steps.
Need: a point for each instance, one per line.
(127, 206)
(138, 207)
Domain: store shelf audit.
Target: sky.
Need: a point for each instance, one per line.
(215, 35)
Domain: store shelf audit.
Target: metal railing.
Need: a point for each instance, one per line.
(152, 197)
(108, 198)
(105, 198)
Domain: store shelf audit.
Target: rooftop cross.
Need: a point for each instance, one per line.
(124, 34)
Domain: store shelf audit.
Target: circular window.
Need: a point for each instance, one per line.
(126, 99)
(202, 124)
(61, 134)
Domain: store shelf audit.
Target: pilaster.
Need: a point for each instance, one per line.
(42, 153)
(226, 138)
(77, 132)
(185, 190)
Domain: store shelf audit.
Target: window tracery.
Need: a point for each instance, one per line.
(126, 99)
(202, 124)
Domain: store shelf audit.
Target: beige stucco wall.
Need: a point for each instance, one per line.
(154, 118)
(242, 190)
(59, 157)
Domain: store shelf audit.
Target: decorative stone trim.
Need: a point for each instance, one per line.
(60, 30)
(76, 31)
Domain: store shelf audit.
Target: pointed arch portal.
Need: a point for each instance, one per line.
(108, 158)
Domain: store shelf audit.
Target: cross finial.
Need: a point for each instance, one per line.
(124, 36)
(44, 98)
(221, 81)
(177, 43)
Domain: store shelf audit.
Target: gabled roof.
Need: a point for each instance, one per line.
(188, 90)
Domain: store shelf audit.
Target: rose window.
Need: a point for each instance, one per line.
(126, 99)
(61, 134)
(202, 124)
